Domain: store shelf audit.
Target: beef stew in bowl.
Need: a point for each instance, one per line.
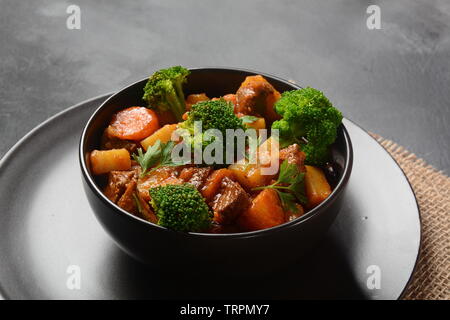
(232, 234)
(235, 196)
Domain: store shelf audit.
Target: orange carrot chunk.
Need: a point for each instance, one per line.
(195, 98)
(230, 98)
(264, 212)
(135, 123)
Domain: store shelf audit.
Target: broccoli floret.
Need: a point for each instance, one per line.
(164, 90)
(180, 208)
(214, 114)
(217, 114)
(308, 114)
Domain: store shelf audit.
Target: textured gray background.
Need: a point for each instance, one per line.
(394, 81)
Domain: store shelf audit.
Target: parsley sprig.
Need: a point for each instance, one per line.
(138, 203)
(158, 155)
(248, 119)
(290, 186)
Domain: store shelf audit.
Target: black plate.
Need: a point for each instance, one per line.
(46, 226)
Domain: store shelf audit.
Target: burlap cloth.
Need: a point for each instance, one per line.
(432, 189)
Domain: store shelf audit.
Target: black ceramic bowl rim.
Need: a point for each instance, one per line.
(310, 214)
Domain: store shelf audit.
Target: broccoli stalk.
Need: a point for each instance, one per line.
(307, 114)
(164, 90)
(180, 208)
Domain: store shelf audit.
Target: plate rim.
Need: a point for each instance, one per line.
(9, 154)
(419, 249)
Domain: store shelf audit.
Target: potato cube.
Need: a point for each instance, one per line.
(104, 161)
(316, 185)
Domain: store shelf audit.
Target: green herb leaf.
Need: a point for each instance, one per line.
(287, 201)
(298, 187)
(287, 172)
(138, 203)
(150, 158)
(290, 186)
(158, 155)
(166, 156)
(248, 119)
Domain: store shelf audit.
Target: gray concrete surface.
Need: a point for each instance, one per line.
(394, 81)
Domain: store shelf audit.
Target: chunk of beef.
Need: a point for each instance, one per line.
(230, 202)
(127, 201)
(118, 182)
(212, 184)
(145, 211)
(159, 177)
(186, 173)
(108, 143)
(256, 96)
(121, 187)
(199, 176)
(293, 155)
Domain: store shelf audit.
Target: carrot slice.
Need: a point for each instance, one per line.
(135, 123)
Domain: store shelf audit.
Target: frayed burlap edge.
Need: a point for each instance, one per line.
(432, 189)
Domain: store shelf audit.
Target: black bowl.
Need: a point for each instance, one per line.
(245, 252)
